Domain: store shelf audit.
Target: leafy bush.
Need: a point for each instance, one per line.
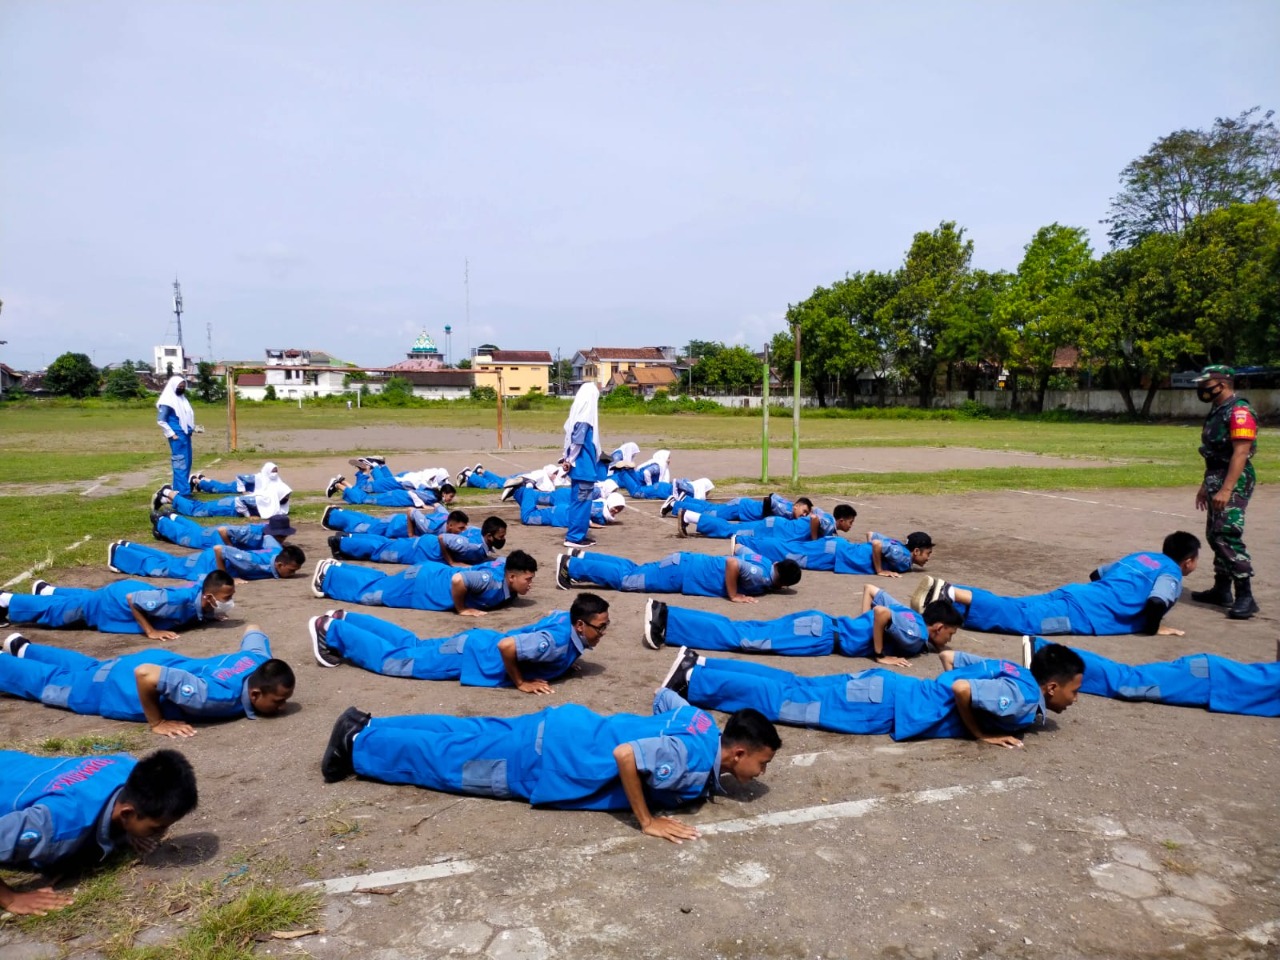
(485, 394)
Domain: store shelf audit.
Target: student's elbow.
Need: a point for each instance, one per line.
(623, 754)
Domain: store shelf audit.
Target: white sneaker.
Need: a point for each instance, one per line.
(317, 578)
(42, 588)
(920, 592)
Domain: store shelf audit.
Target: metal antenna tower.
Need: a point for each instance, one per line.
(208, 332)
(177, 310)
(466, 285)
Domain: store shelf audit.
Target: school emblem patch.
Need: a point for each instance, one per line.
(1004, 703)
(662, 773)
(544, 644)
(28, 838)
(186, 689)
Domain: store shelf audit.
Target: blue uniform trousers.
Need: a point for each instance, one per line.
(243, 483)
(1047, 614)
(223, 507)
(485, 481)
(619, 573)
(180, 456)
(1198, 680)
(391, 650)
(581, 495)
(368, 546)
(137, 560)
(352, 521)
(187, 533)
(69, 680)
(425, 587)
(810, 633)
(398, 497)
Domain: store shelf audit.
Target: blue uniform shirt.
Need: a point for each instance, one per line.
(906, 628)
(168, 417)
(544, 651)
(251, 564)
(894, 554)
(465, 548)
(167, 608)
(1004, 694)
(53, 807)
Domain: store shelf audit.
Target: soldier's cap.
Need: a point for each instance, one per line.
(919, 541)
(1215, 372)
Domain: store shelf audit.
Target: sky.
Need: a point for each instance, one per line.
(327, 175)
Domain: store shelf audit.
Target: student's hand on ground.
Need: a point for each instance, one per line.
(162, 635)
(1220, 500)
(893, 662)
(1170, 632)
(37, 902)
(241, 583)
(1202, 499)
(470, 612)
(743, 598)
(1011, 742)
(535, 686)
(173, 728)
(888, 573)
(669, 828)
(144, 845)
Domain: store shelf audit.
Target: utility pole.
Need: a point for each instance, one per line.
(764, 423)
(208, 330)
(795, 409)
(466, 286)
(177, 312)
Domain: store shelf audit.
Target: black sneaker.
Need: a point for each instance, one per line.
(15, 644)
(324, 517)
(580, 544)
(361, 463)
(155, 524)
(655, 624)
(937, 592)
(337, 763)
(157, 498)
(317, 579)
(194, 479)
(668, 505)
(376, 460)
(510, 487)
(42, 588)
(335, 546)
(677, 678)
(577, 552)
(332, 488)
(462, 478)
(563, 580)
(324, 654)
(111, 556)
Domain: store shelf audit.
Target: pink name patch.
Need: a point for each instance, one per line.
(700, 723)
(80, 773)
(240, 666)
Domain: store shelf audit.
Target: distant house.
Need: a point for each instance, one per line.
(522, 371)
(302, 373)
(645, 381)
(433, 384)
(599, 364)
(9, 378)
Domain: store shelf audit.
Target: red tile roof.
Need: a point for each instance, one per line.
(518, 356)
(624, 353)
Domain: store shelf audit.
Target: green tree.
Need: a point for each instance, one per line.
(270, 392)
(1192, 172)
(398, 391)
(122, 383)
(1047, 304)
(486, 394)
(561, 373)
(731, 368)
(929, 294)
(975, 337)
(464, 363)
(209, 388)
(72, 375)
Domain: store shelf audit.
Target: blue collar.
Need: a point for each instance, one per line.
(103, 835)
(244, 702)
(577, 641)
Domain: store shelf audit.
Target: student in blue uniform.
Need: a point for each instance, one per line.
(273, 562)
(480, 478)
(270, 497)
(989, 700)
(58, 814)
(745, 509)
(581, 458)
(429, 586)
(1131, 595)
(413, 522)
(126, 606)
(566, 757)
(169, 526)
(526, 658)
(603, 512)
(177, 421)
(1204, 680)
(399, 497)
(885, 631)
(155, 686)
(880, 556)
(243, 483)
(814, 526)
(464, 549)
(740, 578)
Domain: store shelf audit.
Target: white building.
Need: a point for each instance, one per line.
(296, 374)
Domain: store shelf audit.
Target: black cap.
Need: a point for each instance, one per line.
(919, 541)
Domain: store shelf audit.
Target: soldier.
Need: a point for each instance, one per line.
(1227, 443)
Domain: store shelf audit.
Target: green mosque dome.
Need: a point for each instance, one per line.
(424, 344)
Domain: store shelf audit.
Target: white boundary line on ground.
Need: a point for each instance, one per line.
(1101, 503)
(43, 564)
(780, 818)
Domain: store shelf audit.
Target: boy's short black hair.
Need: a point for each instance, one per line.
(806, 501)
(844, 510)
(215, 580)
(587, 605)
(272, 675)
(447, 487)
(293, 554)
(788, 572)
(751, 729)
(1180, 546)
(492, 525)
(919, 541)
(457, 516)
(1055, 661)
(520, 562)
(161, 787)
(942, 611)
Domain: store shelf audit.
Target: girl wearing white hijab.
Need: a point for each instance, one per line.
(624, 457)
(177, 421)
(270, 493)
(581, 458)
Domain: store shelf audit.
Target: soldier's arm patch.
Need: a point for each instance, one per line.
(1243, 425)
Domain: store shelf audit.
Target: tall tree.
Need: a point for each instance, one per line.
(1047, 305)
(72, 375)
(1192, 172)
(122, 383)
(929, 294)
(975, 336)
(209, 388)
(730, 368)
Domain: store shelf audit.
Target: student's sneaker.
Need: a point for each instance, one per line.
(324, 654)
(1028, 649)
(361, 463)
(111, 557)
(563, 580)
(462, 477)
(668, 506)
(193, 480)
(937, 592)
(655, 624)
(921, 591)
(5, 598)
(374, 459)
(332, 488)
(682, 528)
(324, 517)
(317, 579)
(337, 763)
(577, 552)
(15, 644)
(161, 496)
(42, 588)
(510, 487)
(677, 678)
(155, 524)
(581, 544)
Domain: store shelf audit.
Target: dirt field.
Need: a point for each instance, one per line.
(1121, 830)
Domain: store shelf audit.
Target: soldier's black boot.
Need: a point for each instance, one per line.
(1245, 606)
(1219, 593)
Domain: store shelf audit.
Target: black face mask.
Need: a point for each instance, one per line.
(1209, 392)
(499, 544)
(180, 389)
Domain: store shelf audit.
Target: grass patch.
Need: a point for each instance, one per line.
(101, 901)
(130, 741)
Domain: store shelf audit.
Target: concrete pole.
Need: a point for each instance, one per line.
(764, 423)
(795, 411)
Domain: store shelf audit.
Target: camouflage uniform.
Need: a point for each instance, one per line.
(1224, 529)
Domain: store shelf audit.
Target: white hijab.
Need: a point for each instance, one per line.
(269, 491)
(170, 397)
(701, 488)
(629, 452)
(584, 411)
(663, 459)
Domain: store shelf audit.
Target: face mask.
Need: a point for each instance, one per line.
(499, 544)
(222, 607)
(180, 389)
(1208, 393)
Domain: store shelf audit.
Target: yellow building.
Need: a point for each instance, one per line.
(523, 371)
(603, 364)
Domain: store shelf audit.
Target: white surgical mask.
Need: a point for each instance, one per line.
(222, 607)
